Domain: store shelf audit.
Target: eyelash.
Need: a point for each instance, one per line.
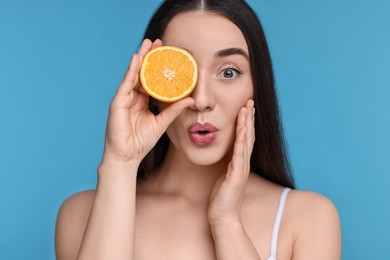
(234, 68)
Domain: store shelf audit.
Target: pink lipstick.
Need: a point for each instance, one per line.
(202, 133)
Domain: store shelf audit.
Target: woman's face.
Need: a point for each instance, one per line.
(205, 132)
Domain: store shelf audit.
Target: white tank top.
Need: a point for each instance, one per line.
(275, 230)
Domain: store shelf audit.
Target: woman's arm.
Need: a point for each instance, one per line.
(232, 242)
(110, 230)
(224, 213)
(94, 224)
(72, 219)
(132, 131)
(317, 225)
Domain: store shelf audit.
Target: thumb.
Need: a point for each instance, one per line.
(166, 117)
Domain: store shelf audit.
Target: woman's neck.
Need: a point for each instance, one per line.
(179, 176)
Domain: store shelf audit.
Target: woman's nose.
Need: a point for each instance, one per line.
(203, 94)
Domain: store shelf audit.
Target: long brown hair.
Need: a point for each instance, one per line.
(269, 158)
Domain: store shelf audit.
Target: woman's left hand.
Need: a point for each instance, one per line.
(228, 192)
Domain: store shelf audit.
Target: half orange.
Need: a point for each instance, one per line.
(168, 73)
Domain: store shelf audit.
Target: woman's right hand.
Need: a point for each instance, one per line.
(132, 129)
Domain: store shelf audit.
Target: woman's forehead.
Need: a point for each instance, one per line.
(196, 31)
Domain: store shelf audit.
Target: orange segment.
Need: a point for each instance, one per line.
(168, 73)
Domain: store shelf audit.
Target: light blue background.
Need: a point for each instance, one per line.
(60, 64)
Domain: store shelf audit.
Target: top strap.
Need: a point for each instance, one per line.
(275, 231)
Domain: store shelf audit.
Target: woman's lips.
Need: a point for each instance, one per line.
(202, 133)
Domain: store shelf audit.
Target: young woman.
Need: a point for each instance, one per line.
(206, 177)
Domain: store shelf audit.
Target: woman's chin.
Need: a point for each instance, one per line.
(207, 158)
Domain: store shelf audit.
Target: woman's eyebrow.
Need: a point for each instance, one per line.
(231, 51)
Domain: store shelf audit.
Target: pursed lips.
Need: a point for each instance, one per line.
(202, 133)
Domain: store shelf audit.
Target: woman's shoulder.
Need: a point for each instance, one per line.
(308, 202)
(312, 214)
(316, 225)
(309, 218)
(77, 204)
(312, 210)
(79, 198)
(298, 202)
(72, 219)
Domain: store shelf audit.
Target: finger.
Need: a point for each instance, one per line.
(139, 86)
(237, 172)
(136, 79)
(245, 120)
(239, 144)
(250, 124)
(166, 117)
(130, 77)
(249, 141)
(145, 47)
(157, 43)
(142, 90)
(238, 148)
(241, 119)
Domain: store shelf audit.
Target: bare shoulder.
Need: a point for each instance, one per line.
(310, 226)
(72, 219)
(316, 225)
(311, 207)
(311, 203)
